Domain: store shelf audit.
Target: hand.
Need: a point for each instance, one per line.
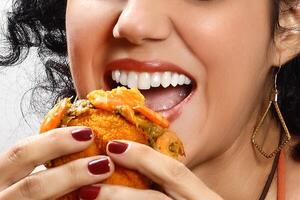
(174, 177)
(16, 182)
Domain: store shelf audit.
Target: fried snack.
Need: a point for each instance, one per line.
(117, 114)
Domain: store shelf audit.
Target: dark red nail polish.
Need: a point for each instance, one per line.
(117, 147)
(99, 166)
(89, 192)
(83, 134)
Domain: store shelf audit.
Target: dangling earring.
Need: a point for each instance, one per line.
(287, 136)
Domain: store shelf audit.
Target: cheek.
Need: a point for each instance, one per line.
(84, 22)
(88, 26)
(232, 44)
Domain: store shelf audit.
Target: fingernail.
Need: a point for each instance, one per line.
(83, 134)
(117, 147)
(99, 166)
(89, 192)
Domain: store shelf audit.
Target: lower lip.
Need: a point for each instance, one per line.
(173, 113)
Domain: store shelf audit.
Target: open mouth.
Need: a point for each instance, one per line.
(164, 91)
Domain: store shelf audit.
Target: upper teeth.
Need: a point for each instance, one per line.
(146, 80)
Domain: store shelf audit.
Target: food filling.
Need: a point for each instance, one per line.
(162, 90)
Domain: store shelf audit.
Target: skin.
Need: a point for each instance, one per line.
(228, 47)
(233, 82)
(194, 47)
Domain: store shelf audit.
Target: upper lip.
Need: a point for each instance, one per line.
(129, 64)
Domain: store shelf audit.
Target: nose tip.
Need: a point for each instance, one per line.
(138, 25)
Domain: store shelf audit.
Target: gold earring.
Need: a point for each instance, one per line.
(287, 136)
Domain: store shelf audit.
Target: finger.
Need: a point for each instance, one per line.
(172, 175)
(56, 182)
(22, 158)
(111, 192)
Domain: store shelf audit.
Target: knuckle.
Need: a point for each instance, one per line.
(31, 186)
(147, 153)
(144, 150)
(177, 171)
(72, 172)
(23, 152)
(17, 153)
(57, 143)
(55, 139)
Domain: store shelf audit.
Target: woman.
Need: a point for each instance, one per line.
(215, 62)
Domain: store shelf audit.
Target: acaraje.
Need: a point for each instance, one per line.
(117, 114)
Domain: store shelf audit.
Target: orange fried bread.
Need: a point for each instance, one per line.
(116, 114)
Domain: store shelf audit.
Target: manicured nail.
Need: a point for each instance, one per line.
(117, 147)
(89, 192)
(99, 166)
(83, 134)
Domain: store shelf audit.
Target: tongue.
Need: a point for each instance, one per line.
(160, 99)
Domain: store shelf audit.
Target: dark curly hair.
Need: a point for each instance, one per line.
(41, 24)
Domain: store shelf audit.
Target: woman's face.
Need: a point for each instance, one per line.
(223, 46)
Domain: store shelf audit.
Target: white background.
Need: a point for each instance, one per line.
(14, 82)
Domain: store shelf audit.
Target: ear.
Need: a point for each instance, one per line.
(287, 36)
